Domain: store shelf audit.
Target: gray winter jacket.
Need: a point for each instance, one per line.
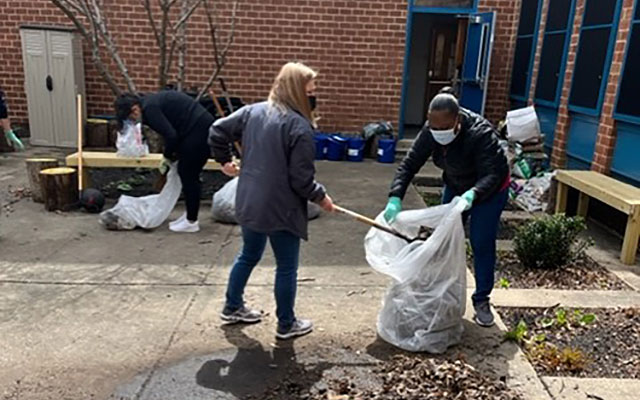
(277, 174)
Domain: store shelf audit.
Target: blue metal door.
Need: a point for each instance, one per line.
(477, 60)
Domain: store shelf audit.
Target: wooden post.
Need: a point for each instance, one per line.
(561, 198)
(79, 115)
(583, 205)
(59, 188)
(631, 235)
(34, 166)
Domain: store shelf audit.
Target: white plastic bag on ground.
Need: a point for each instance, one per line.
(523, 124)
(130, 143)
(223, 207)
(224, 203)
(424, 307)
(534, 195)
(146, 212)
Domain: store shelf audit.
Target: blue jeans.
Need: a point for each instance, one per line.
(286, 247)
(485, 221)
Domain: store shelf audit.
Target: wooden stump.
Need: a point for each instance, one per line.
(34, 166)
(60, 188)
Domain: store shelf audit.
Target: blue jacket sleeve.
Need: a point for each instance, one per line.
(302, 170)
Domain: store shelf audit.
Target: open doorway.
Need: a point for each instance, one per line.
(435, 60)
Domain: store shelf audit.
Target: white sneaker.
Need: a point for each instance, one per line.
(180, 219)
(185, 226)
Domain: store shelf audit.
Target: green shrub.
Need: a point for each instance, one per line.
(550, 242)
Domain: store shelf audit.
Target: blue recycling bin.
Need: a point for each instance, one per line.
(337, 148)
(322, 146)
(355, 149)
(386, 151)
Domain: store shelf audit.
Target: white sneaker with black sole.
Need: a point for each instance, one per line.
(243, 315)
(299, 328)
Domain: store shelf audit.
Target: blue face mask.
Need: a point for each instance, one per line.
(444, 137)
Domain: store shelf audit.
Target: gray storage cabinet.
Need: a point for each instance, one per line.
(54, 75)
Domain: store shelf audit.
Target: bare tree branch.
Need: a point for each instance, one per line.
(66, 8)
(220, 58)
(182, 46)
(186, 13)
(147, 6)
(99, 22)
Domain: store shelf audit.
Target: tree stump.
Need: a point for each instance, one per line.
(59, 188)
(34, 166)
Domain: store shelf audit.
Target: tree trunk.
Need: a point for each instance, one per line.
(60, 188)
(34, 166)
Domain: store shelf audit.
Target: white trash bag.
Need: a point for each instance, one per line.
(130, 143)
(223, 207)
(523, 124)
(146, 212)
(224, 203)
(424, 307)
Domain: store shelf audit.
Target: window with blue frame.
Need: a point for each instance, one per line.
(597, 40)
(557, 37)
(525, 48)
(628, 106)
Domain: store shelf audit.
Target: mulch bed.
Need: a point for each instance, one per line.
(584, 274)
(610, 345)
(402, 378)
(142, 182)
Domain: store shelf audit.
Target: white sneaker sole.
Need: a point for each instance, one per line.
(188, 230)
(480, 323)
(230, 319)
(294, 334)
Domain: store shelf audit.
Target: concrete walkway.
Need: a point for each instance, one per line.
(91, 314)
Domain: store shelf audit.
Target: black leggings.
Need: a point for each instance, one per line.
(193, 153)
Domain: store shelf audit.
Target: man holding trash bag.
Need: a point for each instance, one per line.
(465, 146)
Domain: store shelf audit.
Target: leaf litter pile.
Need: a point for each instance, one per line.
(599, 343)
(583, 274)
(404, 378)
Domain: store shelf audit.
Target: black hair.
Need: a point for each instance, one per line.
(123, 105)
(447, 90)
(445, 102)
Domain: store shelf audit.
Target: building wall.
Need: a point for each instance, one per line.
(357, 46)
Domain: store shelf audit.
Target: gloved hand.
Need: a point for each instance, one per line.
(13, 140)
(469, 196)
(164, 166)
(394, 206)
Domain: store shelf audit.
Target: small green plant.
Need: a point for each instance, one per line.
(504, 283)
(550, 242)
(564, 319)
(517, 334)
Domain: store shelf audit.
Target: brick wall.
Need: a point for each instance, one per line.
(559, 155)
(606, 141)
(508, 16)
(357, 46)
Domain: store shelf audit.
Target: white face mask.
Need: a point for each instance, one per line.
(444, 137)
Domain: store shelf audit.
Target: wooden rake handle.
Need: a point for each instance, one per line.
(371, 222)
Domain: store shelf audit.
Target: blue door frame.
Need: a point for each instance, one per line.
(411, 11)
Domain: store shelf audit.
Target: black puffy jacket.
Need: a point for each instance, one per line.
(473, 160)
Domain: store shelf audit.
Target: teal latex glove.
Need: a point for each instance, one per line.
(164, 166)
(394, 206)
(469, 196)
(13, 140)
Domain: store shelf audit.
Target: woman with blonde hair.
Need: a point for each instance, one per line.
(276, 181)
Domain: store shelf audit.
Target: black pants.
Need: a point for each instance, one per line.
(193, 153)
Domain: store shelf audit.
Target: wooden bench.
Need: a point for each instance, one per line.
(96, 159)
(621, 196)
